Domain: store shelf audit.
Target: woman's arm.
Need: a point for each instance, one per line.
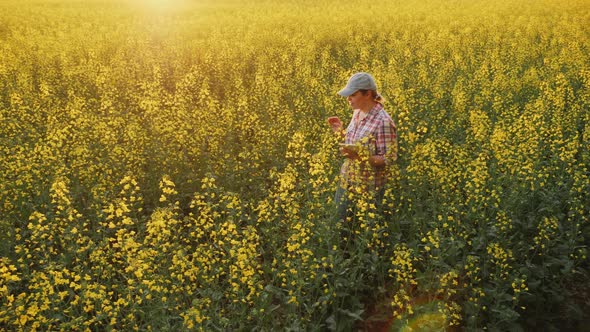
(336, 125)
(386, 145)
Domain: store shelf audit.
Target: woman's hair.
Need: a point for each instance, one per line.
(376, 97)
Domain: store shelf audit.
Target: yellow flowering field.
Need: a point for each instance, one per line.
(167, 166)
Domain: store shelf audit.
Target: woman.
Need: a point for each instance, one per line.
(370, 141)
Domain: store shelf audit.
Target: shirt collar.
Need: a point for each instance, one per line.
(375, 109)
(373, 112)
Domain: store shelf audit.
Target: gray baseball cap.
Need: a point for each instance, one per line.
(358, 81)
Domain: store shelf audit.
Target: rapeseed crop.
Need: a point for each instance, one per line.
(166, 166)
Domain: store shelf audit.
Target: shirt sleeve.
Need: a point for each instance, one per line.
(386, 141)
(349, 129)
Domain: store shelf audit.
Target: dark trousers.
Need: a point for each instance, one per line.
(345, 209)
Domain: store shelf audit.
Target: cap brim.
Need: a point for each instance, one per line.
(346, 92)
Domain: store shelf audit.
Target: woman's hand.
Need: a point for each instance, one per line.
(377, 161)
(349, 153)
(335, 124)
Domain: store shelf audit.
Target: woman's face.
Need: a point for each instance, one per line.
(359, 101)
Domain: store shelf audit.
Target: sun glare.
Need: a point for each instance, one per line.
(161, 6)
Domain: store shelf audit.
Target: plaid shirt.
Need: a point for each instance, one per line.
(377, 135)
